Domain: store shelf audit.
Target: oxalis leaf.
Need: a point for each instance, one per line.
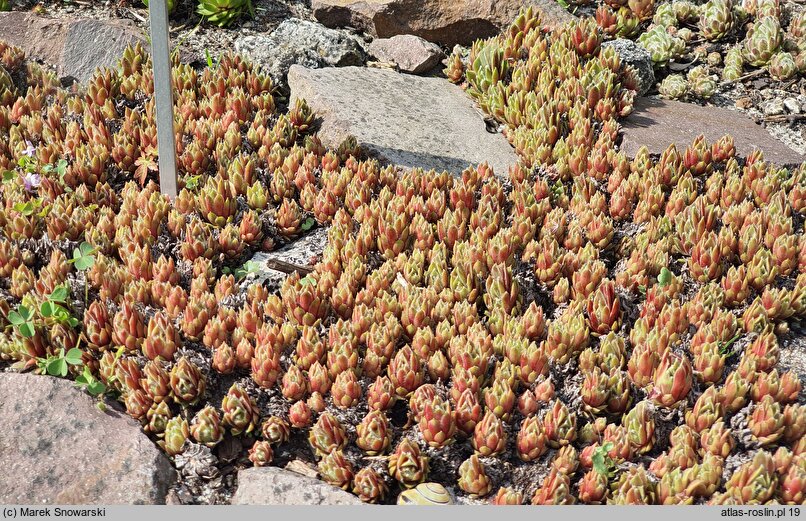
(664, 277)
(308, 224)
(47, 309)
(16, 318)
(601, 459)
(73, 356)
(83, 256)
(56, 367)
(27, 330)
(96, 388)
(87, 381)
(59, 294)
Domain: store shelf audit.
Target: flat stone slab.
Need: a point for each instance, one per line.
(275, 486)
(74, 46)
(57, 447)
(657, 123)
(401, 119)
(445, 21)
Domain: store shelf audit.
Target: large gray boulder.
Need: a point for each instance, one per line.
(401, 119)
(445, 21)
(275, 486)
(57, 447)
(75, 47)
(657, 123)
(304, 43)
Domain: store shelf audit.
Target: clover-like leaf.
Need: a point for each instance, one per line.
(61, 167)
(87, 380)
(192, 182)
(22, 319)
(59, 294)
(602, 463)
(26, 208)
(27, 330)
(83, 256)
(96, 388)
(664, 277)
(18, 316)
(56, 366)
(308, 224)
(47, 309)
(73, 356)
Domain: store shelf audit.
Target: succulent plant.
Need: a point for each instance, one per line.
(437, 423)
(369, 486)
(336, 470)
(240, 411)
(206, 427)
(261, 454)
(407, 465)
(673, 379)
(661, 46)
(755, 481)
(187, 382)
(555, 490)
(175, 435)
(327, 435)
(373, 433)
(782, 66)
(716, 19)
(275, 430)
(224, 12)
(473, 479)
(673, 86)
(762, 41)
(733, 64)
(489, 437)
(701, 83)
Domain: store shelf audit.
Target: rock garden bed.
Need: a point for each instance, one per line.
(499, 295)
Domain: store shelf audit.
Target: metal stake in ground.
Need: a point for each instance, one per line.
(163, 95)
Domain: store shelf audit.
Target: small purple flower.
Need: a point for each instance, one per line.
(31, 181)
(30, 150)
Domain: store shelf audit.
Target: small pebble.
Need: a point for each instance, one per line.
(792, 105)
(773, 107)
(743, 103)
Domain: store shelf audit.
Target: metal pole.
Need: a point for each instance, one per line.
(163, 95)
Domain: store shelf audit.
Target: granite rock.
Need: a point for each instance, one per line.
(57, 447)
(444, 21)
(275, 486)
(657, 123)
(410, 53)
(304, 43)
(401, 119)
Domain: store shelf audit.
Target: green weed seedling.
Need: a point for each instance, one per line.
(602, 462)
(58, 364)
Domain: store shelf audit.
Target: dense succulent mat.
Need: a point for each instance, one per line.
(587, 328)
(708, 40)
